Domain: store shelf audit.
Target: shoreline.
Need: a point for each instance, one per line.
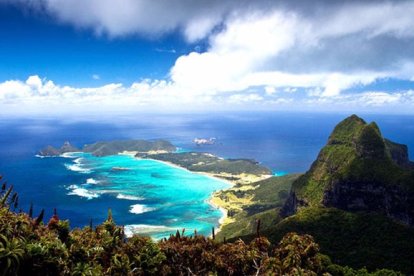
(210, 200)
(242, 181)
(223, 211)
(213, 200)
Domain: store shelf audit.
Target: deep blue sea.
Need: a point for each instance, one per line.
(151, 197)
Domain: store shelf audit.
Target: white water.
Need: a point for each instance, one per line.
(76, 190)
(139, 209)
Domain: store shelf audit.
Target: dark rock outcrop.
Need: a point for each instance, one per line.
(399, 153)
(358, 170)
(52, 151)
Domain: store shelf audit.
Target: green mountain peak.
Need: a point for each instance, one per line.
(347, 130)
(358, 170)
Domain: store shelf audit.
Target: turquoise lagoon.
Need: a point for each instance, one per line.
(149, 197)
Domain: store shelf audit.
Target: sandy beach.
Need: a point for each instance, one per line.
(224, 218)
(243, 180)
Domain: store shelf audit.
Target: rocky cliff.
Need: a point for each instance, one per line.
(358, 170)
(52, 151)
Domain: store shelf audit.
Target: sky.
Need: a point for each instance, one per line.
(94, 56)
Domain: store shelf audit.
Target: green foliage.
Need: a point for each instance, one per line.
(353, 239)
(146, 256)
(46, 256)
(371, 144)
(205, 162)
(330, 163)
(347, 131)
(246, 224)
(115, 147)
(356, 152)
(11, 254)
(5, 197)
(338, 270)
(272, 192)
(299, 255)
(266, 198)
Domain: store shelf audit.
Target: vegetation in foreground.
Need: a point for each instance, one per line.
(30, 247)
(353, 239)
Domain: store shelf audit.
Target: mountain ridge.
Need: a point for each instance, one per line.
(105, 148)
(358, 170)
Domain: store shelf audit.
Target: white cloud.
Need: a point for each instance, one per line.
(240, 49)
(380, 98)
(275, 47)
(34, 82)
(245, 98)
(249, 50)
(36, 95)
(373, 18)
(270, 90)
(10, 90)
(96, 77)
(199, 28)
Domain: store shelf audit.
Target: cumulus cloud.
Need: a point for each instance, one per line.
(255, 49)
(36, 95)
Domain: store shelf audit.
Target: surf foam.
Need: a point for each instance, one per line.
(92, 181)
(140, 209)
(76, 190)
(69, 154)
(77, 168)
(78, 160)
(129, 197)
(145, 229)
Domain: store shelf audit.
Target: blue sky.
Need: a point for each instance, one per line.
(36, 44)
(181, 56)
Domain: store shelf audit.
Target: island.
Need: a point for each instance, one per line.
(242, 174)
(237, 171)
(105, 148)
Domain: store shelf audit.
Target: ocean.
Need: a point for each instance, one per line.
(151, 197)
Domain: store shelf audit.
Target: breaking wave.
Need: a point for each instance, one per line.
(140, 209)
(77, 168)
(82, 192)
(92, 181)
(145, 229)
(129, 197)
(70, 154)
